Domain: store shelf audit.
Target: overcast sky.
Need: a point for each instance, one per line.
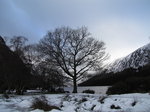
(124, 25)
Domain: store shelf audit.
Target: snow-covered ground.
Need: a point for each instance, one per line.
(80, 103)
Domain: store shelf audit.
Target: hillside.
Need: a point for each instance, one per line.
(136, 59)
(136, 64)
(13, 72)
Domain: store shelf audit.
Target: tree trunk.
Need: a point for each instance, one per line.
(74, 85)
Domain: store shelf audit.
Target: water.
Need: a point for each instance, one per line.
(97, 89)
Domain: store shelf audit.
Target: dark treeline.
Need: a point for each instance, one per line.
(107, 79)
(22, 69)
(13, 72)
(127, 81)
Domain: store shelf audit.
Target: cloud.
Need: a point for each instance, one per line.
(123, 24)
(122, 36)
(15, 21)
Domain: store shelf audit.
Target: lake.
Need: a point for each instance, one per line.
(97, 89)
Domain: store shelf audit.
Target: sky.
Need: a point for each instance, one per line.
(124, 25)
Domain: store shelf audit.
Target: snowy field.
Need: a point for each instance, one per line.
(97, 89)
(80, 103)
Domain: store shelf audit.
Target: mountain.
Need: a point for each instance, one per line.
(111, 78)
(138, 58)
(136, 64)
(13, 72)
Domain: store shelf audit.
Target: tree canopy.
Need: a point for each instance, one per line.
(74, 51)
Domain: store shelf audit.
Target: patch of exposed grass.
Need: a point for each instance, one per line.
(42, 104)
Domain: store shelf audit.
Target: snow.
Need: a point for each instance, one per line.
(80, 103)
(136, 59)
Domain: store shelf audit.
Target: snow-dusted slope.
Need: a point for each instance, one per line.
(138, 58)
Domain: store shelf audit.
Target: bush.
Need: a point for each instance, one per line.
(131, 85)
(42, 103)
(89, 91)
(118, 88)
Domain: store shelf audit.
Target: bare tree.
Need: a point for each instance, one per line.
(17, 44)
(31, 54)
(74, 51)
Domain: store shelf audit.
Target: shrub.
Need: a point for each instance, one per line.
(131, 85)
(42, 103)
(118, 88)
(89, 91)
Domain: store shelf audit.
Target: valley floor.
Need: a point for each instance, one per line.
(80, 103)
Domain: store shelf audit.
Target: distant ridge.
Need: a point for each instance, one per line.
(138, 58)
(136, 64)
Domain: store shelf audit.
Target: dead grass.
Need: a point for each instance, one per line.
(42, 104)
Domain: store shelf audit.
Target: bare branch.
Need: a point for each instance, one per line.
(73, 50)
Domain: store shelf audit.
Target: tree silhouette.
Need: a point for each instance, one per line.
(74, 51)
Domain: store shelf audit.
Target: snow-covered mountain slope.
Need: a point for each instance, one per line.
(138, 58)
